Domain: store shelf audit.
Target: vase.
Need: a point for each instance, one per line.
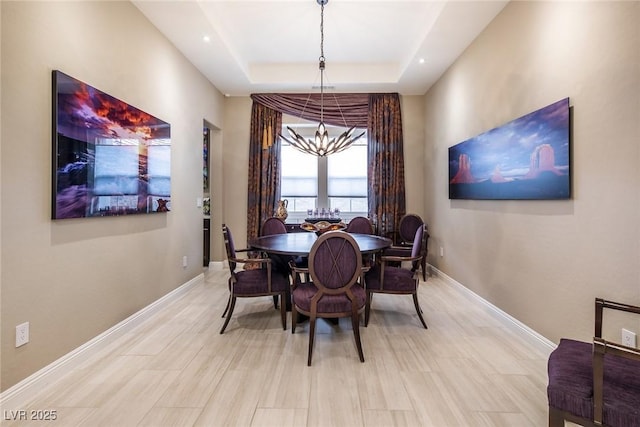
(281, 210)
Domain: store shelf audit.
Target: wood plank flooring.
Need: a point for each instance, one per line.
(175, 369)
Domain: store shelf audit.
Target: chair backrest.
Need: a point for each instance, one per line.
(335, 263)
(408, 226)
(416, 248)
(272, 226)
(360, 225)
(425, 240)
(229, 246)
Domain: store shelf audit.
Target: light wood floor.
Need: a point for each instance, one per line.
(468, 369)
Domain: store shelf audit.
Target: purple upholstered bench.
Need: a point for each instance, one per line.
(597, 383)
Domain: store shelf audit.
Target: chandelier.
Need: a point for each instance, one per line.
(321, 145)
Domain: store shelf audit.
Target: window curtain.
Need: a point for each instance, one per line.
(264, 166)
(380, 115)
(340, 109)
(386, 163)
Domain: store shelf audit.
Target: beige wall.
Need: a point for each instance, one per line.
(543, 262)
(237, 117)
(413, 128)
(73, 279)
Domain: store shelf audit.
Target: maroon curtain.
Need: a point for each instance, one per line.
(340, 109)
(380, 114)
(264, 166)
(386, 193)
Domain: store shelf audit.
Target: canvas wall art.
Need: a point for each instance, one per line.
(109, 158)
(527, 158)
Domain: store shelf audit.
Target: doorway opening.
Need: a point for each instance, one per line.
(206, 196)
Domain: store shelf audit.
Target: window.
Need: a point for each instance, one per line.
(347, 178)
(336, 181)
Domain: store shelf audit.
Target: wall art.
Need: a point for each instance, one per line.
(527, 158)
(109, 158)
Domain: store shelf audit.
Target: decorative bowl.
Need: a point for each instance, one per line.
(321, 227)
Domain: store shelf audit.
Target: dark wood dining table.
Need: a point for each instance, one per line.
(299, 244)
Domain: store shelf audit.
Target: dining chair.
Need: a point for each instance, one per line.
(361, 225)
(335, 266)
(269, 227)
(405, 251)
(595, 383)
(272, 225)
(407, 227)
(389, 276)
(257, 282)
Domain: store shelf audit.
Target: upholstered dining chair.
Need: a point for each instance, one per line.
(272, 226)
(407, 227)
(595, 383)
(389, 276)
(257, 282)
(361, 225)
(335, 266)
(269, 227)
(405, 251)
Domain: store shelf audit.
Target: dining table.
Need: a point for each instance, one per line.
(299, 244)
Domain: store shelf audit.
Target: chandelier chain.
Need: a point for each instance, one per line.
(321, 145)
(322, 32)
(321, 65)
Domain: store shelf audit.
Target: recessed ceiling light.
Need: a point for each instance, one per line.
(421, 60)
(207, 39)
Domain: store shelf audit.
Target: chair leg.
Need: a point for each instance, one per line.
(294, 318)
(283, 312)
(355, 325)
(227, 307)
(229, 300)
(367, 309)
(312, 335)
(419, 310)
(556, 418)
(424, 268)
(232, 304)
(275, 302)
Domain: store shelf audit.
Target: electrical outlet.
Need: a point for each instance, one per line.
(441, 251)
(628, 338)
(22, 334)
(184, 261)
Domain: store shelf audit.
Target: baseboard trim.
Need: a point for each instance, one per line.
(18, 395)
(216, 265)
(506, 319)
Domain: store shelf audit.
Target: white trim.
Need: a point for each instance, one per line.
(19, 395)
(507, 319)
(216, 265)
